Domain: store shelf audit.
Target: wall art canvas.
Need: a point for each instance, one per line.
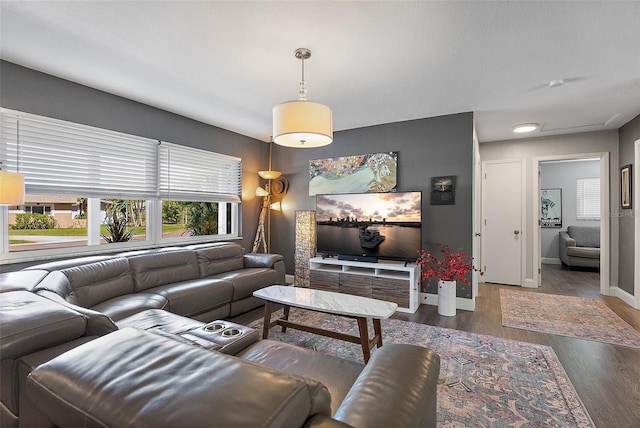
(625, 187)
(376, 172)
(443, 190)
(551, 208)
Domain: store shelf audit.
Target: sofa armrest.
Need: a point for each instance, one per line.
(271, 261)
(21, 280)
(567, 240)
(322, 421)
(398, 387)
(261, 260)
(29, 323)
(98, 324)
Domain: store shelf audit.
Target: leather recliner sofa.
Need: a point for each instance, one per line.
(82, 374)
(204, 282)
(175, 289)
(136, 378)
(51, 311)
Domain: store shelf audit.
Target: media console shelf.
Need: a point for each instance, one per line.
(390, 281)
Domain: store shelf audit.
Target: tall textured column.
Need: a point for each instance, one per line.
(305, 246)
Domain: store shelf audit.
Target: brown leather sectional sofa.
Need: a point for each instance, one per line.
(136, 340)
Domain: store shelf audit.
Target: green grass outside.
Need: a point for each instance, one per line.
(19, 241)
(166, 228)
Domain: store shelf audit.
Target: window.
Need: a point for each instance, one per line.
(588, 199)
(109, 189)
(199, 190)
(46, 222)
(123, 220)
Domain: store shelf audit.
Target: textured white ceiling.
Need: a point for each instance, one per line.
(227, 63)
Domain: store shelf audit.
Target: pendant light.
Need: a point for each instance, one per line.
(302, 123)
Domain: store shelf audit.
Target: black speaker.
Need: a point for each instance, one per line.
(363, 258)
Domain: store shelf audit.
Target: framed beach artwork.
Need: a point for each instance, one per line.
(376, 172)
(551, 208)
(625, 187)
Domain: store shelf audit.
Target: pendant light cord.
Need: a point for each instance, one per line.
(303, 90)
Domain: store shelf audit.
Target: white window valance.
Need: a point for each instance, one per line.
(64, 158)
(188, 174)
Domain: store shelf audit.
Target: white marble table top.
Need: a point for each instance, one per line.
(327, 301)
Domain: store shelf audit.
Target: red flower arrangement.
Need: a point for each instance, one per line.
(447, 266)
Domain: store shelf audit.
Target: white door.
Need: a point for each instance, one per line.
(502, 222)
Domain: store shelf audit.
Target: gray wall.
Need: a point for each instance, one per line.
(426, 148)
(560, 145)
(629, 133)
(30, 91)
(563, 175)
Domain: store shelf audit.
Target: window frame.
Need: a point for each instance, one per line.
(153, 202)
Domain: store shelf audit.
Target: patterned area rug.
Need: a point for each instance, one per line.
(588, 319)
(484, 381)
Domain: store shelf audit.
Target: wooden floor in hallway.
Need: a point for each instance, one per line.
(606, 377)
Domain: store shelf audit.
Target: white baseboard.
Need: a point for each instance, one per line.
(624, 296)
(528, 283)
(550, 261)
(288, 279)
(461, 303)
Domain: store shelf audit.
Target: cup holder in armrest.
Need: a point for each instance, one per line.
(232, 332)
(214, 326)
(230, 336)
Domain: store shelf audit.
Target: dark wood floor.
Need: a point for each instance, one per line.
(606, 377)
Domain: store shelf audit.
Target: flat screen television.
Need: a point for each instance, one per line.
(369, 226)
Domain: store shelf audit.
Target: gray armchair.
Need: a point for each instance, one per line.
(580, 246)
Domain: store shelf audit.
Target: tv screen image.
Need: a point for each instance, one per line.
(379, 225)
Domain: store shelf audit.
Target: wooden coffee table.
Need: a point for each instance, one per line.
(347, 305)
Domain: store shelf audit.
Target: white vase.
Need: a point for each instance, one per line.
(447, 298)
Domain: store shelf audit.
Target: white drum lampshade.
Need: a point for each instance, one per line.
(11, 188)
(302, 124)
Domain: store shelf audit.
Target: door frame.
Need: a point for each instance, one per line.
(636, 202)
(605, 221)
(523, 211)
(477, 214)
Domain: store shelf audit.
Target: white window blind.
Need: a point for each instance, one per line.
(588, 199)
(188, 174)
(63, 158)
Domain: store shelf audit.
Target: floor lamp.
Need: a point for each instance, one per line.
(305, 246)
(277, 187)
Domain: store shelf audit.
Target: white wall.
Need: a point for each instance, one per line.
(563, 175)
(560, 145)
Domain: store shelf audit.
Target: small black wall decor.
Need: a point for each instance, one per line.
(443, 190)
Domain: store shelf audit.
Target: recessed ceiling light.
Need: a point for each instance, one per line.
(525, 127)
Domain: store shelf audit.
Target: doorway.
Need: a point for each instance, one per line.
(567, 173)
